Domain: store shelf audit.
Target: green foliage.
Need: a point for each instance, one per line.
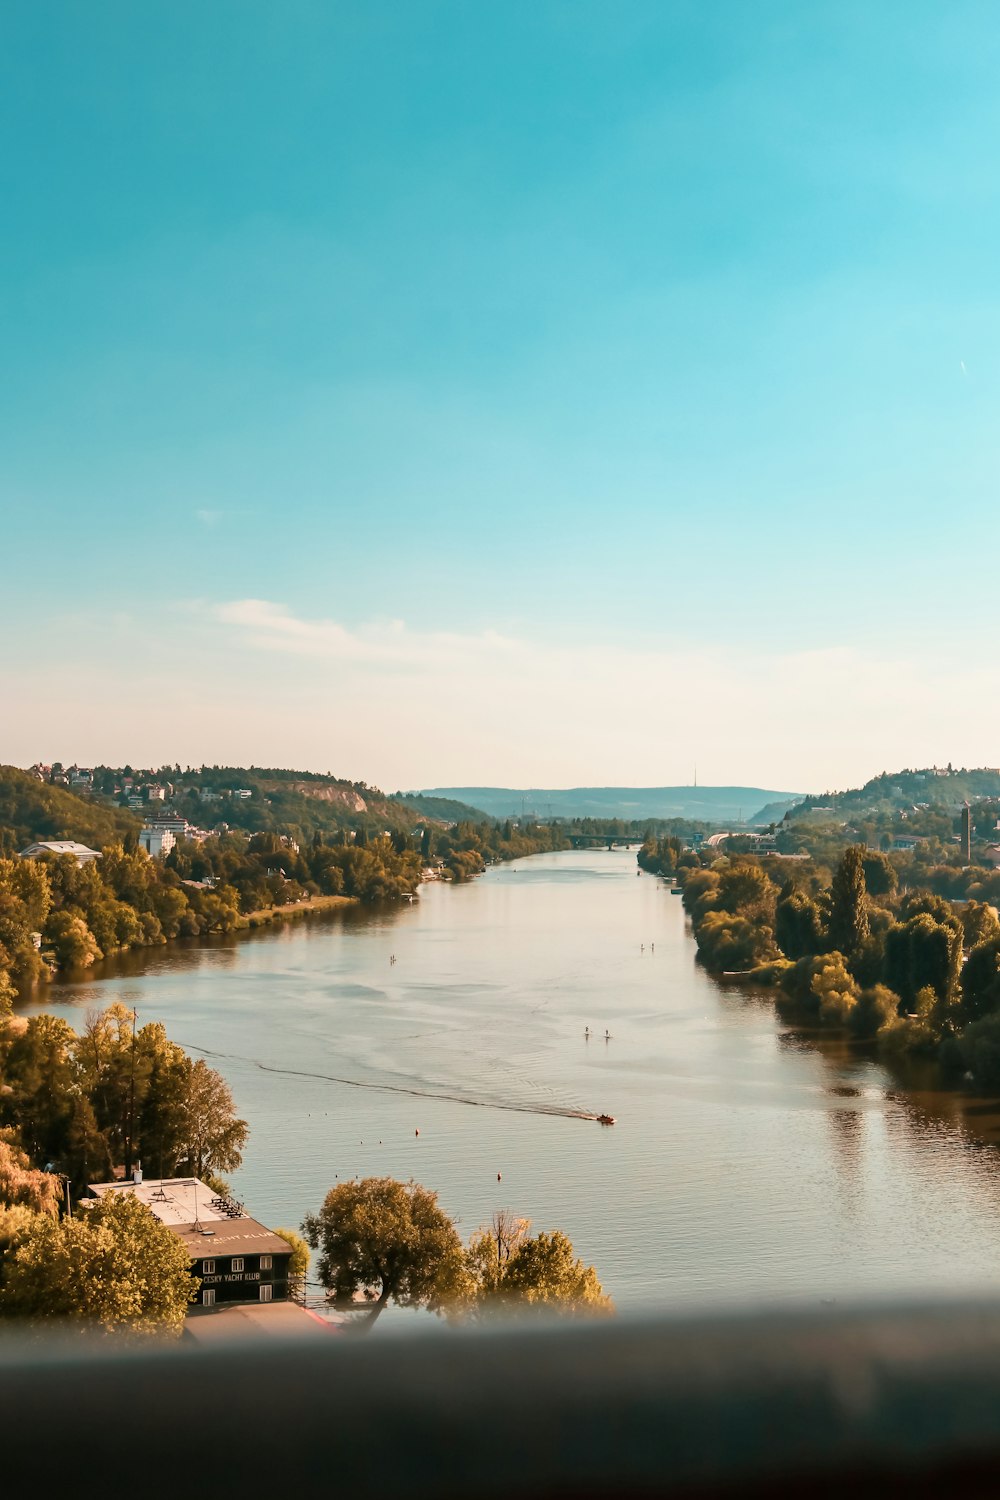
(879, 873)
(875, 1012)
(834, 989)
(924, 952)
(117, 1269)
(298, 1261)
(545, 1270)
(849, 925)
(734, 944)
(104, 1098)
(506, 1267)
(21, 1186)
(24, 906)
(981, 981)
(980, 923)
(73, 944)
(32, 811)
(979, 1047)
(798, 925)
(381, 1239)
(661, 856)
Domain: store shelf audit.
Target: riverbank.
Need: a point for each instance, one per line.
(752, 1158)
(292, 909)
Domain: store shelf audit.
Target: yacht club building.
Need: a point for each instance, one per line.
(235, 1258)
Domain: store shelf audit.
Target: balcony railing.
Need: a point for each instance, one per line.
(886, 1400)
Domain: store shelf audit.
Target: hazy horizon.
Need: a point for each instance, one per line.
(549, 396)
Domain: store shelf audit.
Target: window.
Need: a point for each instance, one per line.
(208, 1297)
(208, 1268)
(265, 1262)
(266, 1293)
(237, 1263)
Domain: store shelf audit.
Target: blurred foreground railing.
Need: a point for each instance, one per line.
(886, 1401)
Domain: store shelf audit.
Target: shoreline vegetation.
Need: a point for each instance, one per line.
(891, 951)
(287, 844)
(59, 915)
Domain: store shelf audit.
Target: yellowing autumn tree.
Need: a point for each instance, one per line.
(116, 1269)
(507, 1266)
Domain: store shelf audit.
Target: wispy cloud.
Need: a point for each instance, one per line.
(255, 680)
(272, 627)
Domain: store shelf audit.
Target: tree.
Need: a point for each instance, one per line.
(40, 1083)
(544, 1269)
(876, 1010)
(746, 891)
(23, 1187)
(24, 906)
(979, 1047)
(506, 1266)
(880, 873)
(386, 1240)
(834, 989)
(117, 1268)
(213, 1136)
(922, 952)
(849, 902)
(298, 1261)
(72, 941)
(981, 981)
(798, 925)
(980, 923)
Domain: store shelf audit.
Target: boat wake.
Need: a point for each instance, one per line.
(559, 1110)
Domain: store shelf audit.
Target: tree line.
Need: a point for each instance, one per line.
(859, 950)
(74, 1107)
(57, 914)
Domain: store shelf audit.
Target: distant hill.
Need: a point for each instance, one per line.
(442, 808)
(708, 804)
(302, 803)
(932, 787)
(773, 812)
(32, 811)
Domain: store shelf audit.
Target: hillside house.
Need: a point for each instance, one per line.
(157, 842)
(80, 852)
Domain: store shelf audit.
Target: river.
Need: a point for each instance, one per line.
(747, 1162)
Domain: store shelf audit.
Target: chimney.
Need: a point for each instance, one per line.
(137, 1174)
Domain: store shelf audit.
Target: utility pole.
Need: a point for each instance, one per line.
(131, 1104)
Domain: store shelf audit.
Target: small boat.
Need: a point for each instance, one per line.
(605, 1119)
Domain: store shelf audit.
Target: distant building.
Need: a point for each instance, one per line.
(80, 852)
(157, 842)
(168, 823)
(156, 794)
(991, 855)
(235, 1258)
(241, 793)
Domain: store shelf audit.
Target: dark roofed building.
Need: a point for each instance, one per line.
(235, 1258)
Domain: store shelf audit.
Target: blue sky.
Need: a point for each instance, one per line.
(536, 393)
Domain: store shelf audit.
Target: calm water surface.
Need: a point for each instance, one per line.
(746, 1162)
